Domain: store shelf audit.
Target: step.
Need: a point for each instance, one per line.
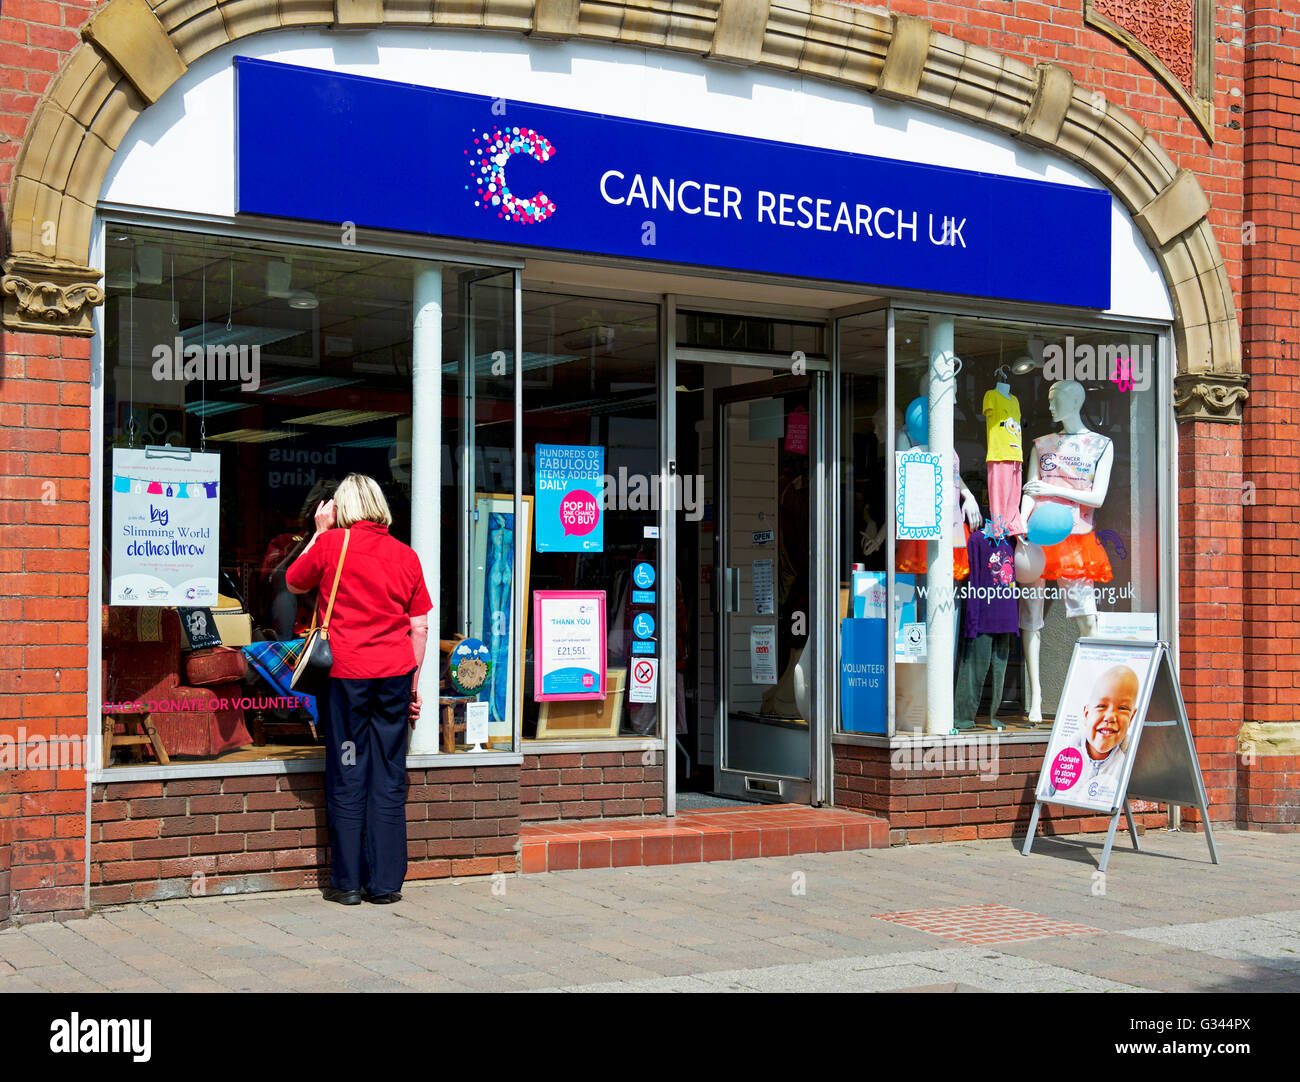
(764, 830)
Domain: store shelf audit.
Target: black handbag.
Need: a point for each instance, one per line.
(311, 675)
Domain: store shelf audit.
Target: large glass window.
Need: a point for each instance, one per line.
(591, 426)
(1052, 518)
(242, 381)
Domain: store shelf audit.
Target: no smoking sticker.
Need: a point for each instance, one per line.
(645, 680)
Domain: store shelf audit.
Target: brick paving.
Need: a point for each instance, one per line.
(1161, 920)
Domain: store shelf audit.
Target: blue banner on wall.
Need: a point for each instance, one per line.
(395, 156)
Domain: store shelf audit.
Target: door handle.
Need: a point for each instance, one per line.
(733, 589)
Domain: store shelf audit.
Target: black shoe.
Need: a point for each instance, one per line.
(385, 899)
(343, 897)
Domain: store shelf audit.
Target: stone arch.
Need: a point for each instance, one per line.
(133, 50)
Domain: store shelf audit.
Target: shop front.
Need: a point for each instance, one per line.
(761, 440)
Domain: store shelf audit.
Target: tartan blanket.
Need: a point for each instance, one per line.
(274, 662)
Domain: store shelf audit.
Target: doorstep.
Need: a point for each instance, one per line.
(768, 830)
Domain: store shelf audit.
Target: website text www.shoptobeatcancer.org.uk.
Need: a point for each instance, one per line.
(1104, 594)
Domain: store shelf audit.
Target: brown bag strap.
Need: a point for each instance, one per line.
(329, 609)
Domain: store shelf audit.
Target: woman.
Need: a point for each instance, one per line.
(377, 634)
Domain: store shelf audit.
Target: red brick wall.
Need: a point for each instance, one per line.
(8, 814)
(591, 785)
(149, 840)
(1270, 335)
(44, 590)
(956, 804)
(1268, 794)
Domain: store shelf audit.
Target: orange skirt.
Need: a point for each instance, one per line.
(1079, 556)
(909, 558)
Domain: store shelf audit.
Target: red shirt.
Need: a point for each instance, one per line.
(381, 588)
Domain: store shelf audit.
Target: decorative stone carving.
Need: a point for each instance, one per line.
(1210, 396)
(40, 296)
(1175, 38)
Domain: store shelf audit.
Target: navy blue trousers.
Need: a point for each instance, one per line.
(365, 729)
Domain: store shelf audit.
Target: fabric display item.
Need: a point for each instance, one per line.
(990, 607)
(215, 665)
(981, 656)
(1080, 600)
(1005, 482)
(273, 662)
(909, 557)
(1002, 427)
(1080, 556)
(1070, 459)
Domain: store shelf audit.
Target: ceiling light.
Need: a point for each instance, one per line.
(251, 435)
(342, 418)
(1023, 366)
(304, 299)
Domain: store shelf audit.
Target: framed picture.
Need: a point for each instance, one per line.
(493, 543)
(585, 719)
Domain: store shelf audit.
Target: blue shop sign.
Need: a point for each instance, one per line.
(422, 160)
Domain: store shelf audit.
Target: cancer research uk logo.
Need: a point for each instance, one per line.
(488, 158)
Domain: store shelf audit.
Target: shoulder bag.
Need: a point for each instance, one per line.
(311, 675)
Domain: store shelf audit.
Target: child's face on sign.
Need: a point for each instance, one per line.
(1109, 711)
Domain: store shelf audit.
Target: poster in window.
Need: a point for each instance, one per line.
(569, 481)
(492, 594)
(165, 527)
(1097, 722)
(569, 655)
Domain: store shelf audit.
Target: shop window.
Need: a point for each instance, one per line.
(1033, 567)
(591, 433)
(242, 381)
(863, 421)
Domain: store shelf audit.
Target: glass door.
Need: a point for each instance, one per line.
(764, 574)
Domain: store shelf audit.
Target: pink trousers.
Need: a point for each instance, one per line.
(1004, 498)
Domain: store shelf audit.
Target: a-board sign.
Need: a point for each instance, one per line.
(1121, 733)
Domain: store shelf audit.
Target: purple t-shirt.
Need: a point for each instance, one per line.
(991, 590)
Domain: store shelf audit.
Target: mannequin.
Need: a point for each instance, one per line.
(1076, 462)
(1004, 458)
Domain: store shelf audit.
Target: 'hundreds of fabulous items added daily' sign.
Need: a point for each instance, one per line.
(521, 174)
(569, 482)
(165, 521)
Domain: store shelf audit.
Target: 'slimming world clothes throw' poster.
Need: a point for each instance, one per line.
(165, 525)
(569, 481)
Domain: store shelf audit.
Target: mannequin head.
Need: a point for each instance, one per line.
(1065, 399)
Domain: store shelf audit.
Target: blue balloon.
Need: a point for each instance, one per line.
(1050, 524)
(918, 420)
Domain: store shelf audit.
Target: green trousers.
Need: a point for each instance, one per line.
(978, 656)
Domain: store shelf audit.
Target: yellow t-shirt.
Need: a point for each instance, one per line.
(1002, 425)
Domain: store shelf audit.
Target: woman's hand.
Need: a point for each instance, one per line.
(325, 516)
(413, 713)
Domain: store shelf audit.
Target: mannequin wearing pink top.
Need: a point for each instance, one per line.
(1065, 400)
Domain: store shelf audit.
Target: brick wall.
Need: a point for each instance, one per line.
(591, 785)
(44, 590)
(1272, 358)
(165, 839)
(1268, 794)
(8, 813)
(956, 803)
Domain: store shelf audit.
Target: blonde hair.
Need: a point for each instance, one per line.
(360, 499)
